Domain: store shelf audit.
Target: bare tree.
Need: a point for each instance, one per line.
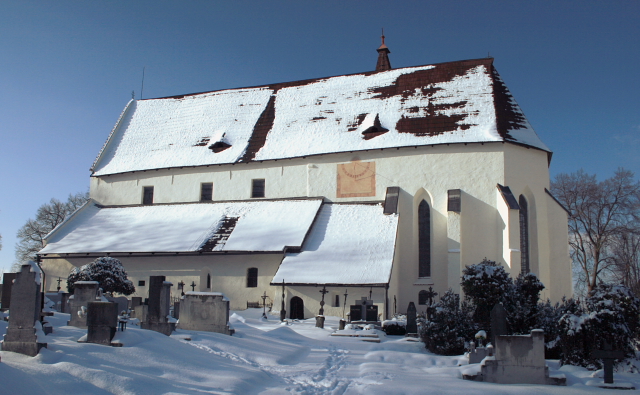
(626, 260)
(49, 215)
(601, 212)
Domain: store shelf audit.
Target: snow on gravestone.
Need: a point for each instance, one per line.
(205, 311)
(24, 333)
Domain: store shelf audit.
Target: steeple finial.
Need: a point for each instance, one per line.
(383, 56)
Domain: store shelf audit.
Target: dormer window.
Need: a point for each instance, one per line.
(372, 127)
(219, 146)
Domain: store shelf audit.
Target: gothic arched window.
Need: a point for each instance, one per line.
(424, 239)
(208, 281)
(252, 277)
(524, 235)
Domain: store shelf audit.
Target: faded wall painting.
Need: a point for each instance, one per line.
(356, 179)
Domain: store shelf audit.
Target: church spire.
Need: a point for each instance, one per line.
(383, 56)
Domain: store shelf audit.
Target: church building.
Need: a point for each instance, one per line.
(382, 184)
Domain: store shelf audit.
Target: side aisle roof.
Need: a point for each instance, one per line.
(455, 102)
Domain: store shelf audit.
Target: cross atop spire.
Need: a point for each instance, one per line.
(383, 56)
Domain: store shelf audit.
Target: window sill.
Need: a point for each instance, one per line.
(424, 281)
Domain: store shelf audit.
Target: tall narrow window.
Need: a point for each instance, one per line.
(252, 277)
(337, 301)
(208, 281)
(524, 235)
(257, 188)
(147, 195)
(206, 191)
(424, 239)
(422, 297)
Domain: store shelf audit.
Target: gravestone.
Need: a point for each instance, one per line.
(355, 313)
(22, 336)
(476, 355)
(102, 322)
(176, 310)
(7, 283)
(519, 360)
(412, 326)
(159, 305)
(136, 301)
(84, 293)
(140, 312)
(121, 301)
(205, 311)
(608, 356)
(365, 310)
(64, 302)
(498, 322)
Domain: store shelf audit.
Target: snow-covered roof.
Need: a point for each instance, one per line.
(226, 226)
(348, 244)
(455, 102)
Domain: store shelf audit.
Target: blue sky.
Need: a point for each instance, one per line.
(67, 69)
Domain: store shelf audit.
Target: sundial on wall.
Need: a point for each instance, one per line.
(356, 179)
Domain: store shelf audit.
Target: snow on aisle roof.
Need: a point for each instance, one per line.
(455, 102)
(348, 244)
(226, 226)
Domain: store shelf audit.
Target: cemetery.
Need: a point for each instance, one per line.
(199, 333)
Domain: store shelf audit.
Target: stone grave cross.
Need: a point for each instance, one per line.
(608, 355)
(323, 291)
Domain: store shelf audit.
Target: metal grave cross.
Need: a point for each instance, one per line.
(608, 355)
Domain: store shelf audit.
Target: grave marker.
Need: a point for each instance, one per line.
(102, 322)
(159, 306)
(84, 293)
(608, 356)
(412, 326)
(22, 335)
(205, 311)
(498, 322)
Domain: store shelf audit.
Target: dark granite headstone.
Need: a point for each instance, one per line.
(412, 326)
(498, 322)
(102, 322)
(355, 312)
(7, 283)
(319, 321)
(25, 313)
(159, 305)
(372, 312)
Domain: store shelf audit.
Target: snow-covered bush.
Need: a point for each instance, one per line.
(549, 316)
(107, 271)
(450, 326)
(521, 304)
(484, 284)
(610, 315)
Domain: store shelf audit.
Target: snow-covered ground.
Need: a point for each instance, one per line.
(263, 357)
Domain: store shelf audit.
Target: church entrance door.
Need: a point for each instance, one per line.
(296, 308)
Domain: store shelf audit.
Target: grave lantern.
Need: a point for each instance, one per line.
(264, 305)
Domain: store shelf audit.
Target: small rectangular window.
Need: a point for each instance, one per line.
(454, 201)
(147, 195)
(337, 301)
(206, 191)
(257, 188)
(141, 283)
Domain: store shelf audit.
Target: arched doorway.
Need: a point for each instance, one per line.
(296, 308)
